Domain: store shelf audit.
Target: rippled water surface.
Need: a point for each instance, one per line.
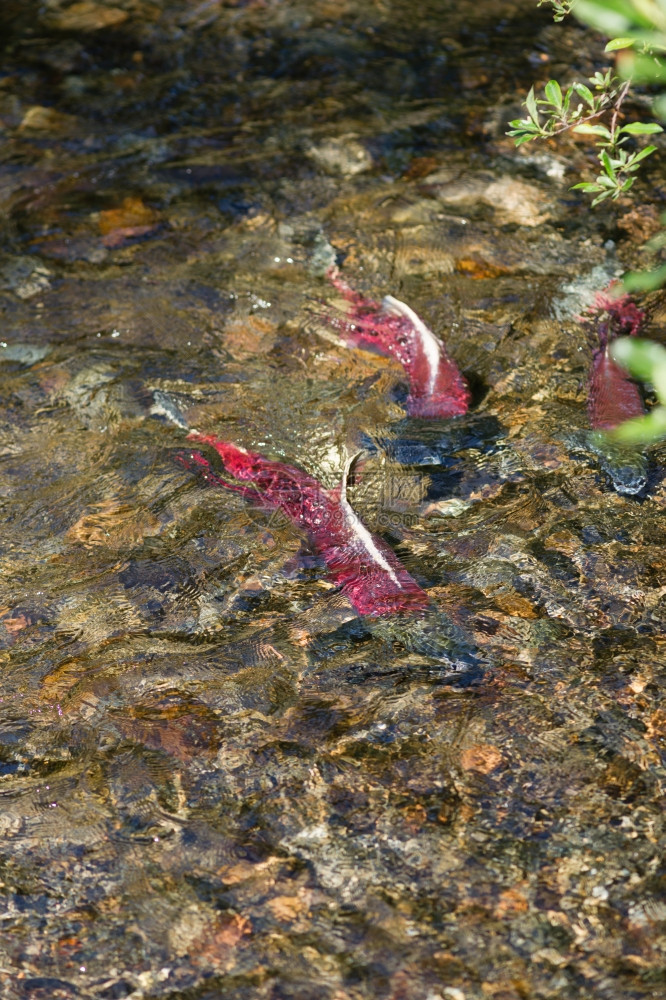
(216, 779)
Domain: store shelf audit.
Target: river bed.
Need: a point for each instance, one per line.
(216, 779)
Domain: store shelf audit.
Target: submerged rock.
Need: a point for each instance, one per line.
(513, 200)
(25, 276)
(343, 155)
(25, 354)
(84, 15)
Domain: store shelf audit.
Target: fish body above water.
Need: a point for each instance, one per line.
(436, 387)
(362, 565)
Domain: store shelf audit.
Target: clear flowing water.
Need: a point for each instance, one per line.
(216, 779)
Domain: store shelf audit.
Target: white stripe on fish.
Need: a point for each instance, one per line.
(431, 346)
(360, 531)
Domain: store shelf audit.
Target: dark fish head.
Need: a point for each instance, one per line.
(628, 479)
(458, 669)
(449, 657)
(626, 468)
(452, 661)
(166, 407)
(436, 442)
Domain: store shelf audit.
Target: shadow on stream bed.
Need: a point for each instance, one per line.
(216, 779)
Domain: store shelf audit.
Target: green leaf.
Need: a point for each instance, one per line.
(586, 186)
(531, 105)
(607, 164)
(607, 182)
(641, 430)
(608, 21)
(553, 93)
(657, 242)
(613, 17)
(644, 281)
(619, 43)
(641, 128)
(601, 197)
(586, 129)
(643, 153)
(659, 107)
(645, 69)
(644, 360)
(585, 93)
(634, 161)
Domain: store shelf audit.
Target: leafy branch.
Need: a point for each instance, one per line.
(558, 109)
(561, 114)
(560, 7)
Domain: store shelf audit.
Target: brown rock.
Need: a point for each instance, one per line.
(41, 119)
(288, 908)
(473, 77)
(511, 902)
(219, 944)
(640, 223)
(249, 335)
(516, 606)
(516, 201)
(187, 738)
(14, 625)
(343, 155)
(479, 268)
(114, 525)
(125, 234)
(209, 938)
(419, 167)
(513, 200)
(86, 16)
(483, 758)
(132, 213)
(243, 870)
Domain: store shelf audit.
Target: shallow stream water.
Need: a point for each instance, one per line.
(216, 779)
